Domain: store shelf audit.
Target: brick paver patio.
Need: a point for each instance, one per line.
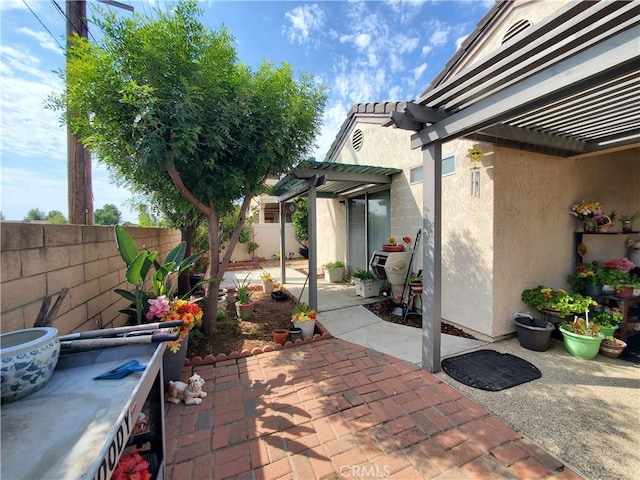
(335, 410)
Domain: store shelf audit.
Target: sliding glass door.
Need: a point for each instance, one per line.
(369, 227)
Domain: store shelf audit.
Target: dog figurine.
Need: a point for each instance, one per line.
(191, 393)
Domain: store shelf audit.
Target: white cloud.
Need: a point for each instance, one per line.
(363, 40)
(418, 71)
(45, 40)
(440, 34)
(426, 49)
(305, 20)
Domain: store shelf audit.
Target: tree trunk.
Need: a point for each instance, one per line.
(216, 268)
(184, 285)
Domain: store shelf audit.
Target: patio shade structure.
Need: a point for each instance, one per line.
(566, 86)
(324, 180)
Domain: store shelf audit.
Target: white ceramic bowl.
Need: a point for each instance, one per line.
(28, 360)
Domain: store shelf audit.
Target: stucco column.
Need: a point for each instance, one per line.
(313, 248)
(431, 255)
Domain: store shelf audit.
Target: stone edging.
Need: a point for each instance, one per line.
(211, 359)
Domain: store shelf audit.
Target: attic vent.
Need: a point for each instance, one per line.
(357, 139)
(515, 29)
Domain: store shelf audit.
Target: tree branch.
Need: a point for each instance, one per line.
(186, 193)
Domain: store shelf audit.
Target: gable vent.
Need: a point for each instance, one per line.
(515, 29)
(357, 139)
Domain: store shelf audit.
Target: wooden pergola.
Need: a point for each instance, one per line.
(566, 86)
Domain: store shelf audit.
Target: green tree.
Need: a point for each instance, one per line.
(300, 219)
(35, 214)
(165, 103)
(107, 215)
(55, 216)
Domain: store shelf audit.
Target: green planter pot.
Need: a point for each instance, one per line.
(608, 331)
(581, 346)
(244, 312)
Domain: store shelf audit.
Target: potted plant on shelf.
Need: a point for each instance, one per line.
(585, 211)
(581, 337)
(304, 318)
(393, 246)
(603, 222)
(586, 279)
(333, 271)
(613, 277)
(267, 282)
(556, 303)
(366, 283)
(415, 282)
(627, 221)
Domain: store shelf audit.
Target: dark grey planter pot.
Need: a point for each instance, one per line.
(534, 334)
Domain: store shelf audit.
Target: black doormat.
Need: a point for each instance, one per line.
(490, 370)
(632, 352)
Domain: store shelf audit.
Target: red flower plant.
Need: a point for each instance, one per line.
(132, 466)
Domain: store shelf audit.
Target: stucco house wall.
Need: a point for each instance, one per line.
(516, 232)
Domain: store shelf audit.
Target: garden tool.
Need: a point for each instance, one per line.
(122, 371)
(400, 309)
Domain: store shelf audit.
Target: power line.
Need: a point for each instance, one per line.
(43, 25)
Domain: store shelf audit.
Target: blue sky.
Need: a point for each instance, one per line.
(363, 51)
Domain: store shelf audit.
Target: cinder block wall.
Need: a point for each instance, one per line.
(41, 259)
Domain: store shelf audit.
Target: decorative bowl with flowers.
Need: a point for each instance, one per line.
(393, 246)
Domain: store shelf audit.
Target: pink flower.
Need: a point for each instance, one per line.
(158, 307)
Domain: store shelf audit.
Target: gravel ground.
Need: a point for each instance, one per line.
(586, 412)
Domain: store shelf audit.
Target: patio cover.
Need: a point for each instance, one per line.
(325, 180)
(565, 86)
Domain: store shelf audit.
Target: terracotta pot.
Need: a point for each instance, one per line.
(280, 335)
(625, 292)
(612, 349)
(392, 248)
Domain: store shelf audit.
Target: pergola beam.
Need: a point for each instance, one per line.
(613, 57)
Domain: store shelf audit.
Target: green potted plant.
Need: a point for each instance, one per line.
(581, 337)
(586, 279)
(333, 271)
(608, 321)
(366, 284)
(627, 221)
(556, 303)
(139, 264)
(244, 305)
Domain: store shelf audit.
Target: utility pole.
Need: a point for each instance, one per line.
(80, 190)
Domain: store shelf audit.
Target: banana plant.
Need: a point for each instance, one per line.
(139, 264)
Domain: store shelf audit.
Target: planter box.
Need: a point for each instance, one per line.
(333, 275)
(367, 288)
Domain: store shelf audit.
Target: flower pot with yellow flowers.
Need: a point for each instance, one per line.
(304, 318)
